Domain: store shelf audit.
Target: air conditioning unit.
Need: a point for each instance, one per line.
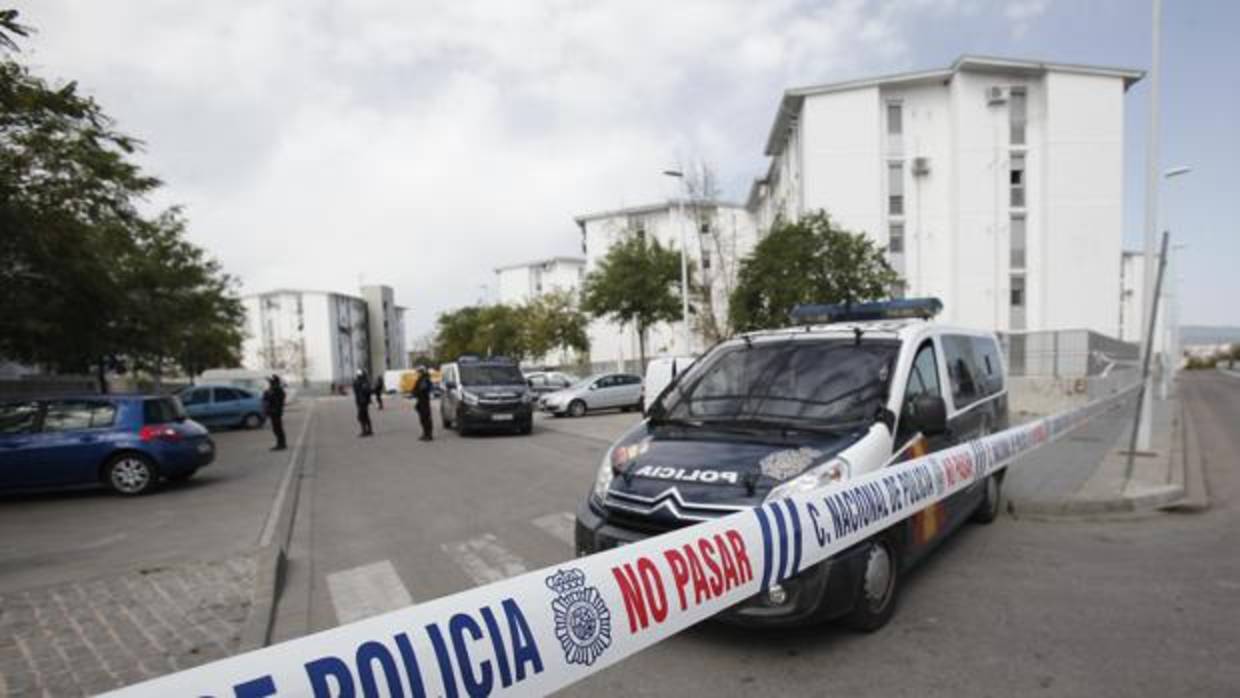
(996, 95)
(921, 166)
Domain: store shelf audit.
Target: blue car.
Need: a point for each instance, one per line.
(223, 406)
(126, 442)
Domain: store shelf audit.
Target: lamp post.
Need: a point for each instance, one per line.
(684, 265)
(1142, 433)
(1171, 337)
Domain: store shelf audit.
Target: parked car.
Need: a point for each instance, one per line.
(606, 391)
(850, 391)
(224, 406)
(543, 382)
(255, 381)
(660, 373)
(125, 442)
(485, 393)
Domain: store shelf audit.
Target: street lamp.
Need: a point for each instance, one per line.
(684, 265)
(1171, 337)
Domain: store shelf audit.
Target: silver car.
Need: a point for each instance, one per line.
(605, 391)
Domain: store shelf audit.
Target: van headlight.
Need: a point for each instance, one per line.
(527, 398)
(605, 475)
(833, 470)
(469, 398)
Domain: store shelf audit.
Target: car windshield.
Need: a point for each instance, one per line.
(794, 382)
(491, 374)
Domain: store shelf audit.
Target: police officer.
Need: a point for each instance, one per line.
(273, 405)
(422, 396)
(361, 396)
(379, 391)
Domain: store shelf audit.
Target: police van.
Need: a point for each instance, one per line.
(849, 390)
(484, 394)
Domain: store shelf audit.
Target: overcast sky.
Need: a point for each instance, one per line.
(423, 144)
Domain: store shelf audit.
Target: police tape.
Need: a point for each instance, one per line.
(543, 630)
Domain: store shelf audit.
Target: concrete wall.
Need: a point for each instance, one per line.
(843, 164)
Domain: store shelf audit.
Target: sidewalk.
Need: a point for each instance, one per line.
(1087, 472)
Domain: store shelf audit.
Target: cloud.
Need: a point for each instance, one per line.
(423, 144)
(1021, 14)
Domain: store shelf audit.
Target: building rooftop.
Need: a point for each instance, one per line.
(275, 291)
(652, 208)
(540, 262)
(790, 103)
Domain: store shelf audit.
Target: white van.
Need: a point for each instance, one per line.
(660, 373)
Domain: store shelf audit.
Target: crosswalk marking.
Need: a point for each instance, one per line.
(367, 591)
(559, 525)
(484, 559)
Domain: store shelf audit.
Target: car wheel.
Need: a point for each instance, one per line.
(988, 509)
(527, 426)
(183, 476)
(447, 423)
(130, 474)
(577, 408)
(461, 427)
(880, 586)
(252, 421)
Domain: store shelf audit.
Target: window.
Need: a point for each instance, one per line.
(1017, 114)
(990, 367)
(895, 188)
(1017, 243)
(162, 410)
(705, 260)
(898, 289)
(961, 369)
(895, 243)
(1018, 291)
(72, 415)
(228, 395)
(18, 417)
(1017, 180)
(895, 119)
(923, 379)
(198, 396)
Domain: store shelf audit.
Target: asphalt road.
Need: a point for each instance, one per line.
(1135, 607)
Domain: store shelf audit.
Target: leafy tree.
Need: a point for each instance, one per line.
(480, 329)
(87, 281)
(807, 261)
(637, 283)
(553, 321)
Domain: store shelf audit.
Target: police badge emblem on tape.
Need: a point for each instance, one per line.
(582, 621)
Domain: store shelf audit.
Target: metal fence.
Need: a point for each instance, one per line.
(1066, 353)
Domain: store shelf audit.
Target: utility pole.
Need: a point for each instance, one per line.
(1142, 440)
(684, 266)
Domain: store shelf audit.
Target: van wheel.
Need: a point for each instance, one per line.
(988, 509)
(880, 587)
(252, 421)
(576, 408)
(443, 417)
(130, 474)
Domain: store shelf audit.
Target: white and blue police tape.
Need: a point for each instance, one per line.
(541, 631)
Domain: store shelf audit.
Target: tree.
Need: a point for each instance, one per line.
(87, 281)
(480, 329)
(718, 247)
(807, 261)
(553, 321)
(637, 283)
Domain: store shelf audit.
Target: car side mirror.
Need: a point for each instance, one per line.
(449, 385)
(929, 414)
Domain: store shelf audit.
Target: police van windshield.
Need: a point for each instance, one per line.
(491, 374)
(796, 383)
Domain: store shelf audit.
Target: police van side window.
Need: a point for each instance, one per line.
(923, 379)
(961, 369)
(989, 364)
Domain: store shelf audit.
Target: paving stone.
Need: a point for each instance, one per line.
(82, 638)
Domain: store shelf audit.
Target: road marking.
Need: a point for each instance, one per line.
(269, 527)
(484, 559)
(559, 525)
(367, 591)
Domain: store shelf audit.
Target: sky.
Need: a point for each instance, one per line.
(316, 144)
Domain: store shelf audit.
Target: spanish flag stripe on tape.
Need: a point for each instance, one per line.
(544, 630)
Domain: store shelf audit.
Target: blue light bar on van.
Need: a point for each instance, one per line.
(924, 308)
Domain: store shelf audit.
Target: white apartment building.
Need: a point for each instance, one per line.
(995, 184)
(521, 283)
(386, 325)
(717, 235)
(320, 339)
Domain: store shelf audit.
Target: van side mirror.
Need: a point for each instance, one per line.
(449, 385)
(929, 414)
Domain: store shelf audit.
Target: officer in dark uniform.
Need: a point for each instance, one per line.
(379, 388)
(273, 405)
(422, 397)
(361, 396)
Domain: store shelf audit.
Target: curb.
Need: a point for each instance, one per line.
(1153, 498)
(272, 546)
